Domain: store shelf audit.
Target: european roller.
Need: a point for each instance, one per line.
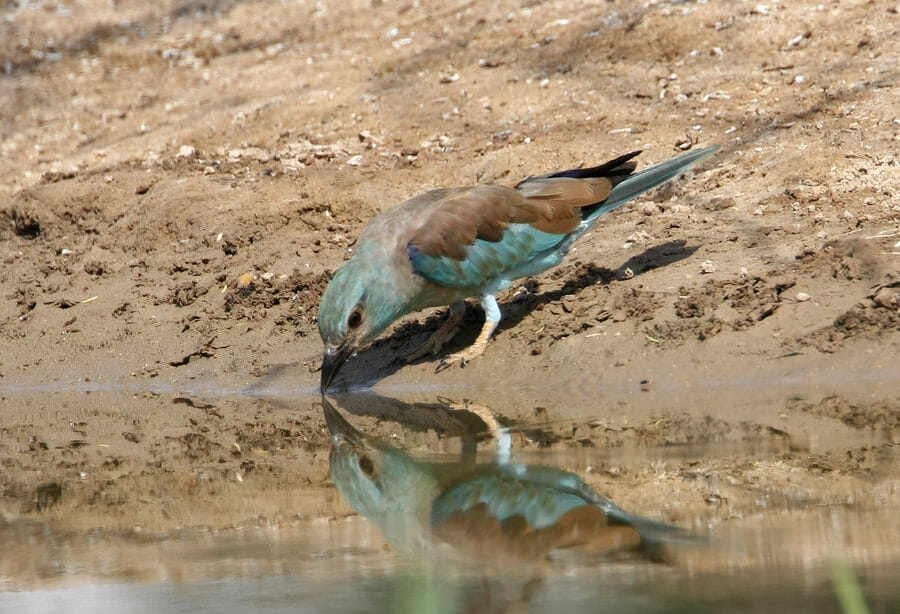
(503, 510)
(444, 246)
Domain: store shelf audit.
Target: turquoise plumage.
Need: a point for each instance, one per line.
(444, 246)
(510, 509)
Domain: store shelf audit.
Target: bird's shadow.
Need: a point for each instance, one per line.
(386, 356)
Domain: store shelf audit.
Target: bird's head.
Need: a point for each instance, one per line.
(360, 302)
(379, 481)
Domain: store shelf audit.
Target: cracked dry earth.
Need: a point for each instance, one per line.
(179, 180)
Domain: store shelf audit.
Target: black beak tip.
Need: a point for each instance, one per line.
(326, 379)
(338, 426)
(332, 361)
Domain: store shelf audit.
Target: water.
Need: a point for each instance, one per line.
(250, 520)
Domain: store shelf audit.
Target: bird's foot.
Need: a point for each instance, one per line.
(487, 415)
(431, 346)
(461, 358)
(442, 335)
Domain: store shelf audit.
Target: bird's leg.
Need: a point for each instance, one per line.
(498, 432)
(442, 335)
(491, 320)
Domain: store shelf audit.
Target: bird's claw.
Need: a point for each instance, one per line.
(449, 361)
(460, 358)
(439, 338)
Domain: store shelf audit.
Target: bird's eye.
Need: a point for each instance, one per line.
(367, 466)
(355, 319)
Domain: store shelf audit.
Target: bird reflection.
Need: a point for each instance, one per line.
(489, 511)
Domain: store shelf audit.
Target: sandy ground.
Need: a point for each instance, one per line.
(179, 179)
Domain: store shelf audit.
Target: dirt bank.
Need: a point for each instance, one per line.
(178, 182)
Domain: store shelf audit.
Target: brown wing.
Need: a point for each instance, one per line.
(551, 203)
(477, 532)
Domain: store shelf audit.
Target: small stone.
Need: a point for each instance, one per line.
(802, 297)
(355, 161)
(636, 238)
(799, 39)
(886, 297)
(708, 266)
(684, 144)
(246, 279)
(719, 203)
(186, 151)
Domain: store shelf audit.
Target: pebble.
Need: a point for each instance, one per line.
(718, 203)
(887, 297)
(799, 39)
(186, 151)
(708, 266)
(802, 297)
(636, 238)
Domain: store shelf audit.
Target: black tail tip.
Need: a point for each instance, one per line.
(621, 166)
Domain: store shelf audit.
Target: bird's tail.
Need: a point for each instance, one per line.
(657, 538)
(638, 183)
(652, 532)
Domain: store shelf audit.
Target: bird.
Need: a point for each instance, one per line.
(506, 510)
(444, 246)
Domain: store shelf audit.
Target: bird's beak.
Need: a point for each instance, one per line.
(339, 428)
(333, 360)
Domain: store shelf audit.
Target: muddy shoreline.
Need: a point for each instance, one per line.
(177, 186)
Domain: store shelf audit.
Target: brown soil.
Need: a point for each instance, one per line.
(178, 181)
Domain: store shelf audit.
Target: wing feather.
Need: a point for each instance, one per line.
(471, 236)
(502, 515)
